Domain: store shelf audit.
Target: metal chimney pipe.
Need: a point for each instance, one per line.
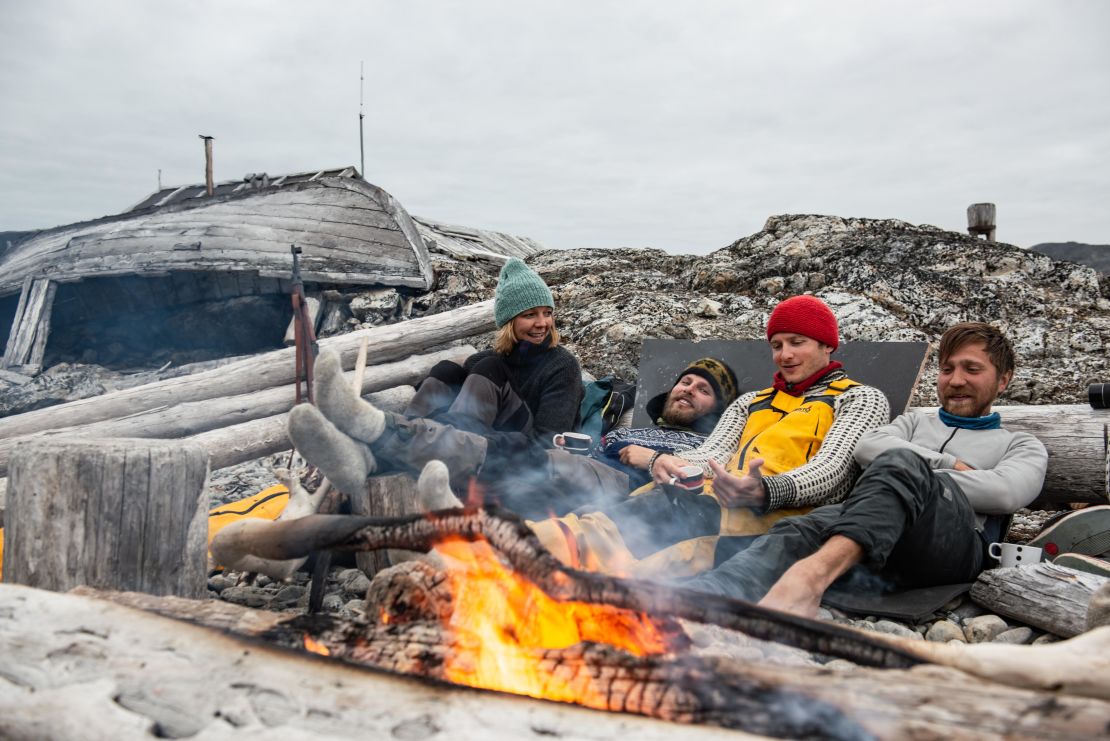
(208, 162)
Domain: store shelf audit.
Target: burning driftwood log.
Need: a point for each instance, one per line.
(515, 541)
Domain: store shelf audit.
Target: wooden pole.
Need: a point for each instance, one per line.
(118, 514)
(208, 183)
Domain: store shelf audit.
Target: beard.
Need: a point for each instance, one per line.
(682, 416)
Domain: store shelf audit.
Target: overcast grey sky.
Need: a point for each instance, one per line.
(579, 123)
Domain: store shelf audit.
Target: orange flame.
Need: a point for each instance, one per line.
(502, 623)
(311, 644)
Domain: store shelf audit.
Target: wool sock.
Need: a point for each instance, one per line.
(344, 461)
(434, 488)
(347, 410)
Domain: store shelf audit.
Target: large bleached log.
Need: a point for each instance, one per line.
(120, 514)
(79, 667)
(239, 443)
(194, 417)
(269, 370)
(760, 697)
(1074, 437)
(1046, 596)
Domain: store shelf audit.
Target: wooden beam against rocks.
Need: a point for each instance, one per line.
(196, 417)
(1046, 596)
(276, 368)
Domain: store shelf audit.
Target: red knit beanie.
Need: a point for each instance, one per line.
(805, 315)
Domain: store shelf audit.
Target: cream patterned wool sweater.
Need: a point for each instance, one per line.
(828, 476)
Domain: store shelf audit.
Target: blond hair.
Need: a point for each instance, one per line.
(504, 341)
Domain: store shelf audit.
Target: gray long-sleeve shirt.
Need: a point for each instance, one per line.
(1009, 466)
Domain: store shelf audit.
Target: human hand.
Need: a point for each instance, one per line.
(961, 466)
(636, 456)
(666, 468)
(739, 491)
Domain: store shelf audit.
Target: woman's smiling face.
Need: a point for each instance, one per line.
(534, 324)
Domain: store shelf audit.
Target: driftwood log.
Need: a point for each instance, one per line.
(385, 496)
(197, 417)
(80, 667)
(798, 701)
(273, 369)
(118, 514)
(1046, 596)
(1074, 435)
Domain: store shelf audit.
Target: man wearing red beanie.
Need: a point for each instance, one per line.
(776, 452)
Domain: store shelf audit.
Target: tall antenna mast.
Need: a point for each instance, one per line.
(361, 149)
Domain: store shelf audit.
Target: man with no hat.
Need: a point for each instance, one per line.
(775, 452)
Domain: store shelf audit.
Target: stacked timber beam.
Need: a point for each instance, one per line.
(248, 391)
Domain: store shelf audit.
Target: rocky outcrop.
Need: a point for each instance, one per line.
(885, 279)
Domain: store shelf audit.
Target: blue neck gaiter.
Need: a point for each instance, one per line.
(990, 422)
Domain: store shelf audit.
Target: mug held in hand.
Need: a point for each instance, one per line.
(573, 442)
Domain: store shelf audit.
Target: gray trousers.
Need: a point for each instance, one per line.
(915, 526)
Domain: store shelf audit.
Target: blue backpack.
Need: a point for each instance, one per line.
(603, 403)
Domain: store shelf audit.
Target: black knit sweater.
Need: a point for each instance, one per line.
(548, 380)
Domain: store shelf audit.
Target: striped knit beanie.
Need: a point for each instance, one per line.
(805, 315)
(519, 289)
(720, 377)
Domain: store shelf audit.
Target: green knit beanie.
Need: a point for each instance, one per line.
(519, 289)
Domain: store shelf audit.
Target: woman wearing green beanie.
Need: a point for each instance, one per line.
(491, 418)
(527, 383)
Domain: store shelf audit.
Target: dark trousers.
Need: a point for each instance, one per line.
(915, 526)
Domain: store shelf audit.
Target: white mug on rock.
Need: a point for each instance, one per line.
(1012, 554)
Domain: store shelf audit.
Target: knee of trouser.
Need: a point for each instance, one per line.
(493, 368)
(900, 458)
(449, 372)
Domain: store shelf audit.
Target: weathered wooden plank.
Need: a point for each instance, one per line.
(42, 329)
(389, 495)
(1046, 596)
(24, 332)
(17, 320)
(268, 370)
(119, 514)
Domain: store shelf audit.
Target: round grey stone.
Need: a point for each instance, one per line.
(892, 628)
(984, 628)
(1017, 636)
(943, 631)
